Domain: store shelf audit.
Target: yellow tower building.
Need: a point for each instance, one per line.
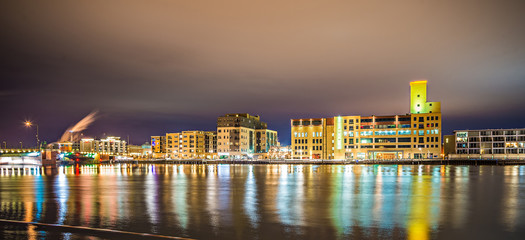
(418, 99)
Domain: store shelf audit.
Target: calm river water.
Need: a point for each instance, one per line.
(267, 201)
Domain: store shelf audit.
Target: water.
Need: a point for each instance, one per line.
(268, 201)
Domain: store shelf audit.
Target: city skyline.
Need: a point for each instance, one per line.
(175, 66)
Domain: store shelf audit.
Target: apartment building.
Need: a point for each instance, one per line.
(108, 146)
(488, 144)
(158, 146)
(413, 135)
(191, 145)
(240, 135)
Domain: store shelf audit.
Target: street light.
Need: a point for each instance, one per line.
(30, 124)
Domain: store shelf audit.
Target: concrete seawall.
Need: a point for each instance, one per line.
(338, 162)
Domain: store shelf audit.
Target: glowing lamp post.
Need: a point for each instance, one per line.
(30, 124)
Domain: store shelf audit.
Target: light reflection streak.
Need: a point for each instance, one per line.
(212, 196)
(151, 192)
(342, 201)
(250, 198)
(418, 223)
(460, 196)
(179, 197)
(378, 195)
(510, 203)
(62, 195)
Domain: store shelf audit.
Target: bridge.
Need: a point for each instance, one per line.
(4, 151)
(20, 157)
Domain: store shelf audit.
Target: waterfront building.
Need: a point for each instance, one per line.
(449, 145)
(191, 145)
(489, 144)
(264, 140)
(210, 144)
(107, 146)
(241, 135)
(413, 135)
(139, 151)
(88, 145)
(158, 146)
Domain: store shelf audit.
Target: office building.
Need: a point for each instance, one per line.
(413, 135)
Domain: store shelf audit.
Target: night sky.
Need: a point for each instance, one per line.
(151, 67)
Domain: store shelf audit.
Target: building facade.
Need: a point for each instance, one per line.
(241, 135)
(414, 135)
(264, 140)
(158, 146)
(108, 146)
(191, 145)
(489, 144)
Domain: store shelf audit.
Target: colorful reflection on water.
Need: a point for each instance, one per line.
(270, 201)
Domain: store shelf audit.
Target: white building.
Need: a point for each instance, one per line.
(109, 146)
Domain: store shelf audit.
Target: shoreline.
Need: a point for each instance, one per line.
(331, 162)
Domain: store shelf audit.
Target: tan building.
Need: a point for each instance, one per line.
(237, 136)
(191, 145)
(414, 135)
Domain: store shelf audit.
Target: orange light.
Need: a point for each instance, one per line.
(28, 123)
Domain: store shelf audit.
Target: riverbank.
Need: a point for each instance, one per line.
(333, 162)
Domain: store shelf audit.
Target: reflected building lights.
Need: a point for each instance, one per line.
(151, 192)
(250, 198)
(511, 199)
(179, 197)
(353, 201)
(62, 195)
